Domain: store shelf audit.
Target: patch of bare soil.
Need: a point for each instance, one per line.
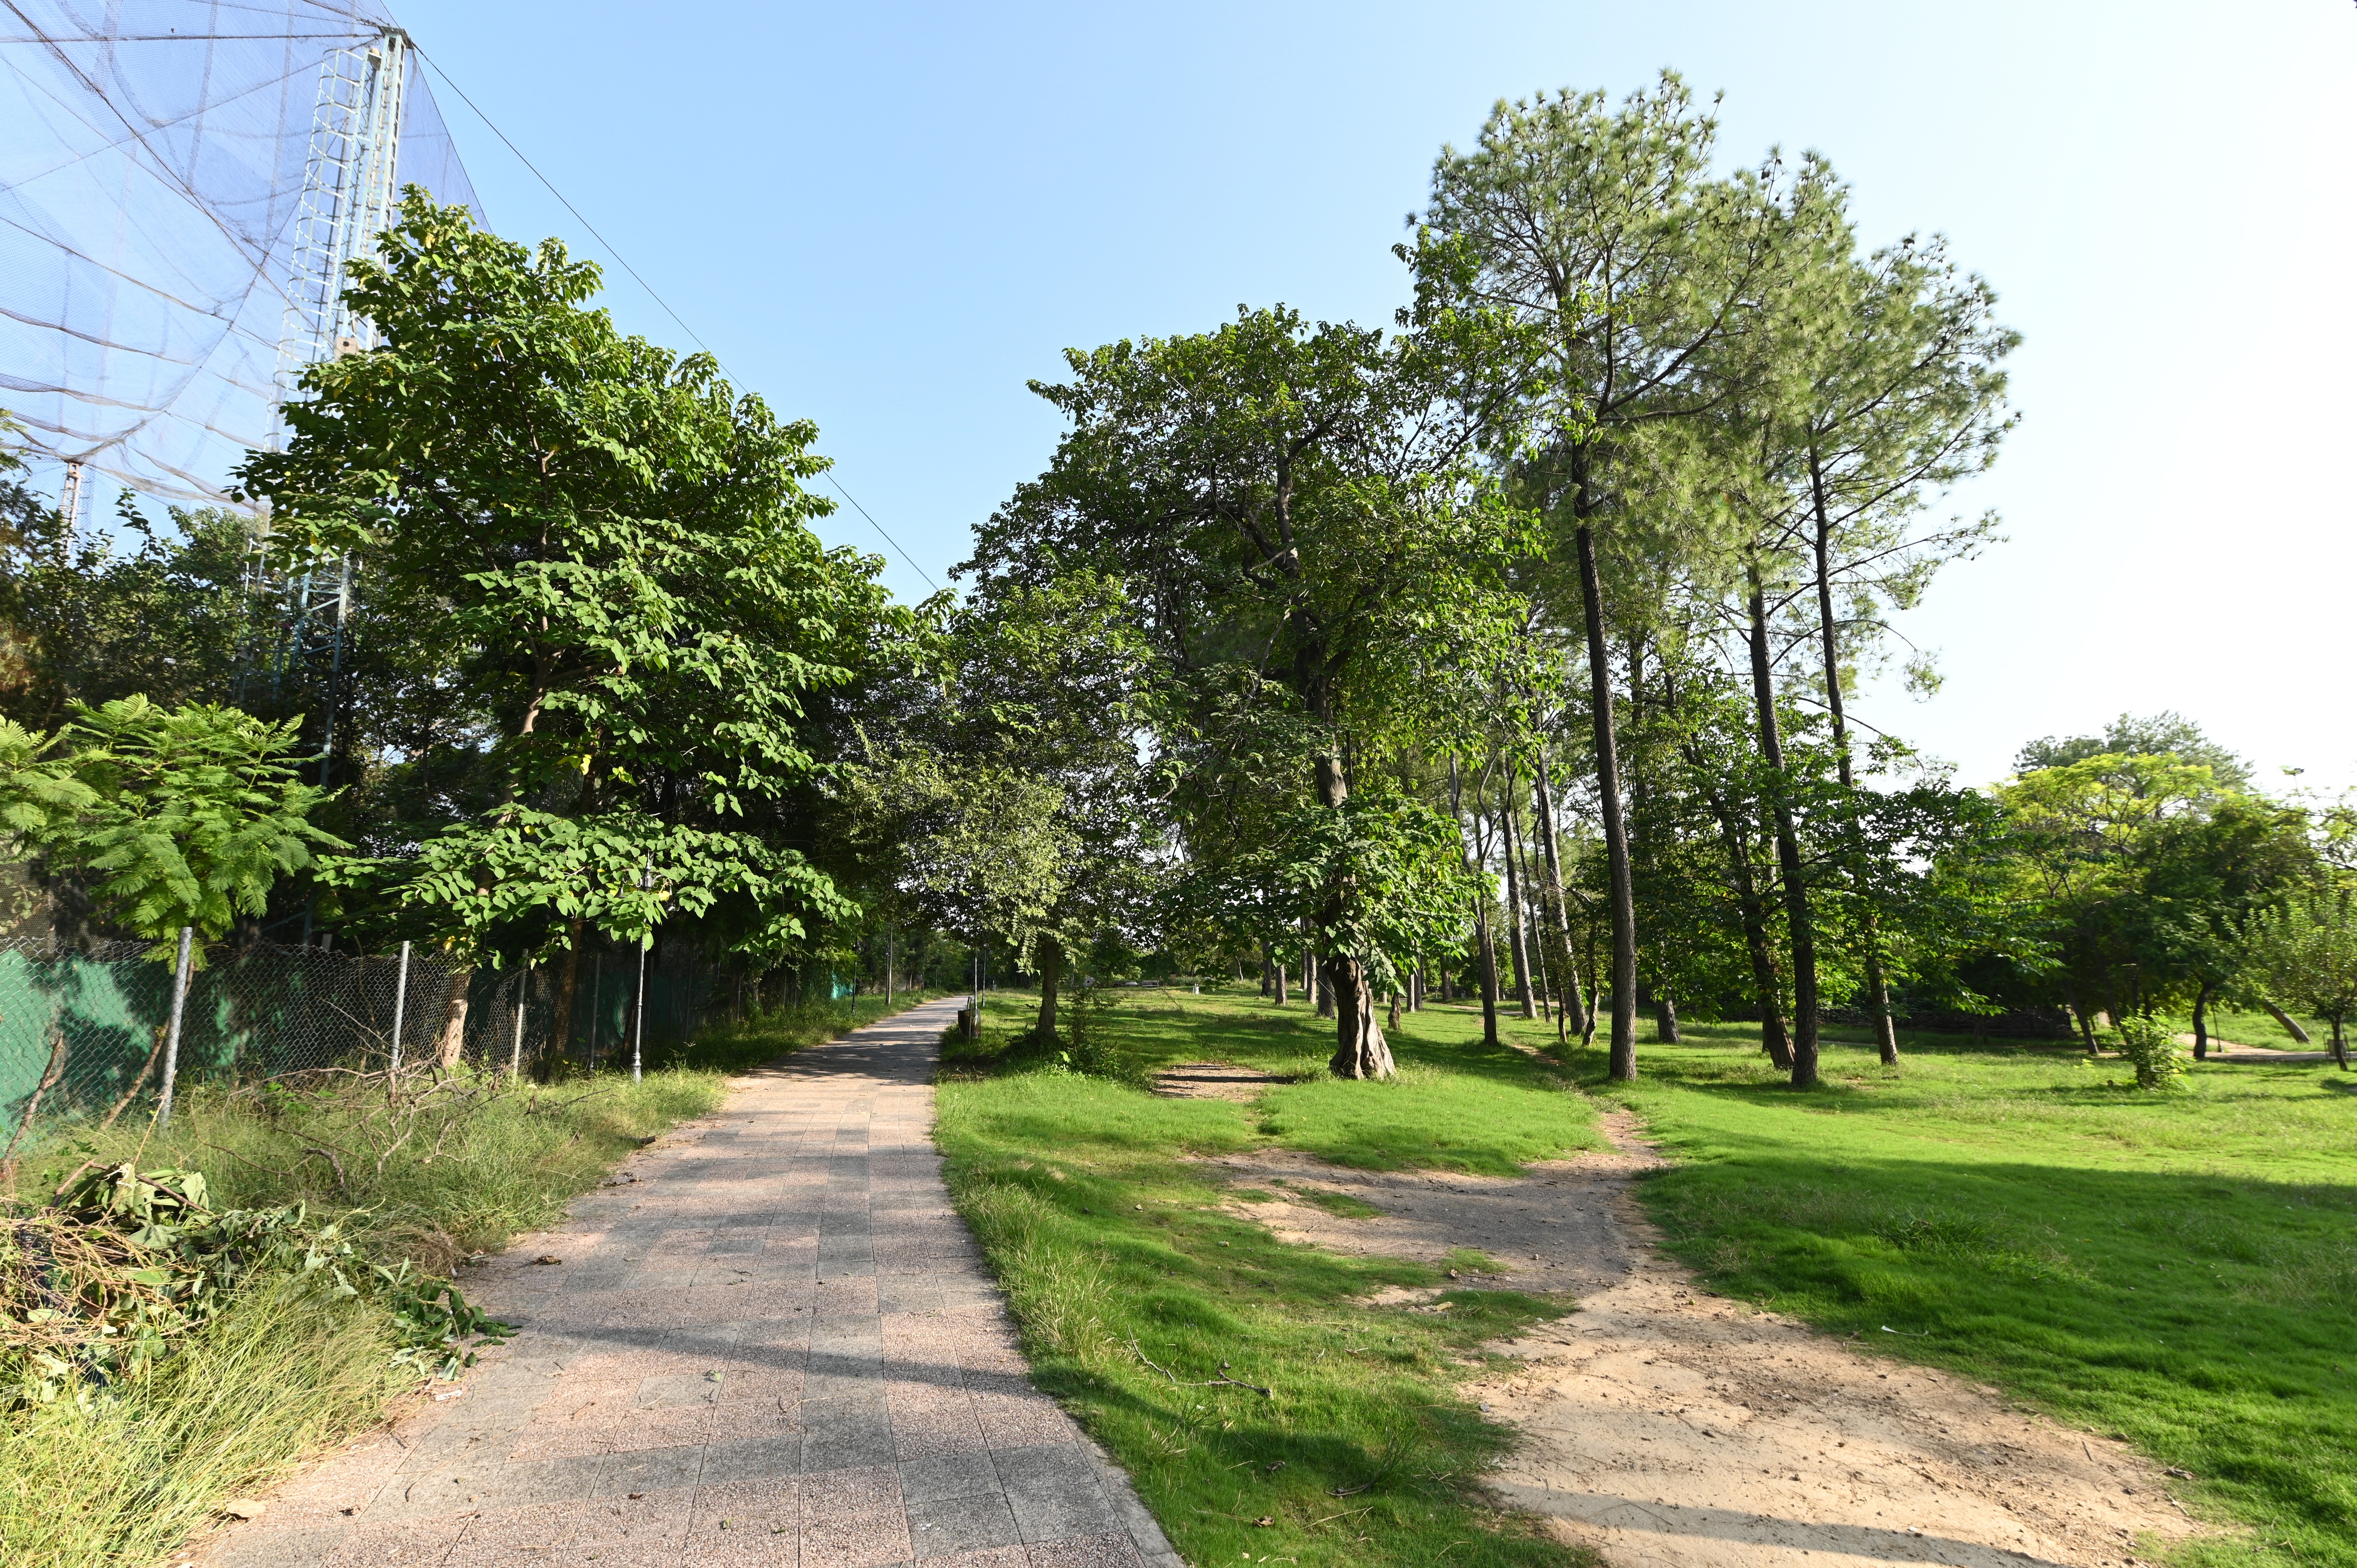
(2234, 1051)
(1213, 1081)
(1665, 1427)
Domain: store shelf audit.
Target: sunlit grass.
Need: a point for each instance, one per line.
(1116, 1252)
(2176, 1267)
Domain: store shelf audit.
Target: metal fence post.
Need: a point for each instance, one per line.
(172, 1030)
(639, 1013)
(523, 995)
(400, 1001)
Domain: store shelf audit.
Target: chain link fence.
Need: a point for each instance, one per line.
(83, 1027)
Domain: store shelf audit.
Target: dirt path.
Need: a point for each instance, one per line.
(1669, 1428)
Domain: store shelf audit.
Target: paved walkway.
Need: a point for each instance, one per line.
(778, 1346)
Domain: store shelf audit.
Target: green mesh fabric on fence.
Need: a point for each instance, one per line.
(81, 1029)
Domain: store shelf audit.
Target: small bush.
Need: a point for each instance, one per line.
(2148, 1044)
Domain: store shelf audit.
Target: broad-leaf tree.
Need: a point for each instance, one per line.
(1300, 541)
(610, 552)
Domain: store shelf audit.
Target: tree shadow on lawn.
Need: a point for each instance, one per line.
(1854, 1081)
(1259, 1033)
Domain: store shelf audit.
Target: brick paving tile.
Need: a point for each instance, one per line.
(778, 1348)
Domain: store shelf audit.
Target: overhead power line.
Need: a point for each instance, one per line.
(614, 252)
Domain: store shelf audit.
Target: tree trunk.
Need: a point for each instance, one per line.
(1588, 1033)
(1623, 1062)
(2340, 1043)
(1360, 1050)
(1052, 973)
(1281, 972)
(2290, 1025)
(1267, 972)
(1393, 1023)
(1788, 851)
(2202, 1022)
(1750, 908)
(1484, 943)
(1489, 951)
(568, 983)
(1515, 904)
(2078, 1014)
(1666, 1020)
(1877, 990)
(1550, 994)
(1324, 994)
(450, 1044)
(1573, 1010)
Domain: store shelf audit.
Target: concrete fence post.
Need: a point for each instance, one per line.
(172, 1030)
(400, 1002)
(523, 995)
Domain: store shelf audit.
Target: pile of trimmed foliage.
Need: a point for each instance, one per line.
(121, 1266)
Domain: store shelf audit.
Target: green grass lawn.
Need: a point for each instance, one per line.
(2177, 1268)
(1115, 1253)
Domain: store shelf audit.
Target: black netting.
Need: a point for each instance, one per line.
(153, 159)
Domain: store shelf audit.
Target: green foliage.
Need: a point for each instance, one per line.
(276, 1377)
(2169, 734)
(277, 1373)
(981, 847)
(2151, 1046)
(2143, 869)
(114, 613)
(621, 871)
(1294, 542)
(2307, 951)
(173, 817)
(1403, 864)
(603, 554)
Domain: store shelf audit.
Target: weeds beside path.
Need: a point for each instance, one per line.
(280, 1375)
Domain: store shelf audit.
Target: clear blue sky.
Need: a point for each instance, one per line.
(888, 219)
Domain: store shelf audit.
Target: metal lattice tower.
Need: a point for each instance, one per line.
(349, 192)
(347, 198)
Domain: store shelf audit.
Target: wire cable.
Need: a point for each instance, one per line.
(906, 558)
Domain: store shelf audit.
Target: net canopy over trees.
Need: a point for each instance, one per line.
(153, 175)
